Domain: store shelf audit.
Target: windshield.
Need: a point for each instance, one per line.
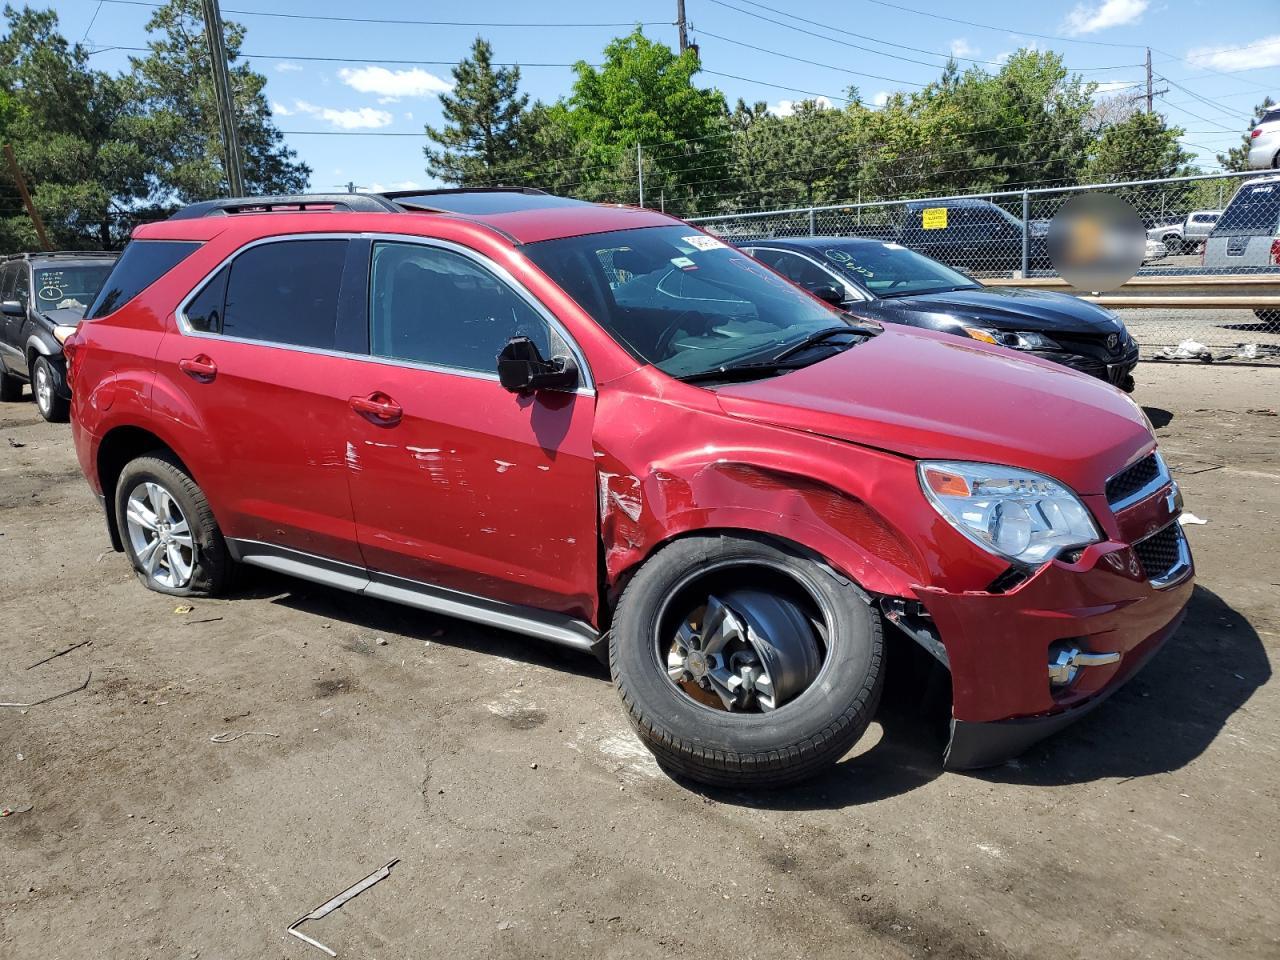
(1255, 209)
(891, 270)
(682, 300)
(69, 287)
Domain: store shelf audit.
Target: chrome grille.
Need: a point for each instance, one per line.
(1163, 553)
(1137, 481)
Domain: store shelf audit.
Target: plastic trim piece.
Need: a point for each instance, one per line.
(543, 624)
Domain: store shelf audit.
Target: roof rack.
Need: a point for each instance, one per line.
(60, 253)
(335, 202)
(445, 191)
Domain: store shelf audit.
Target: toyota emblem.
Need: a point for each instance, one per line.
(1112, 340)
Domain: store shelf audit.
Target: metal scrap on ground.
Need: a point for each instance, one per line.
(329, 906)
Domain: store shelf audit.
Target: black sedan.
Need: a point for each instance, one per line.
(891, 283)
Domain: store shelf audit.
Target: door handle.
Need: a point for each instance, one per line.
(199, 368)
(378, 408)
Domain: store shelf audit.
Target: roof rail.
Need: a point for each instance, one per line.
(337, 202)
(60, 253)
(444, 191)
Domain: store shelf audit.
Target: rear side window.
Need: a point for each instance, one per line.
(8, 274)
(142, 264)
(286, 292)
(204, 312)
(1255, 209)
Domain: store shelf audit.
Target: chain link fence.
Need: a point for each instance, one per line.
(1196, 226)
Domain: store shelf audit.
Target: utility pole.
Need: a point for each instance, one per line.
(683, 25)
(21, 184)
(222, 93)
(640, 170)
(1150, 92)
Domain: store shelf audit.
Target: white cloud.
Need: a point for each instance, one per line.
(1109, 13)
(284, 66)
(364, 118)
(377, 187)
(960, 47)
(1264, 52)
(394, 84)
(280, 110)
(881, 98)
(785, 108)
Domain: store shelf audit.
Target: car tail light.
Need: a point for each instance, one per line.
(1275, 252)
(1257, 132)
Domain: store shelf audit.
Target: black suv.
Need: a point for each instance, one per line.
(42, 298)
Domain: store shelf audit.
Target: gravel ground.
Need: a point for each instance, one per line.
(529, 822)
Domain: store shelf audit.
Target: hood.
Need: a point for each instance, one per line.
(1011, 308)
(69, 316)
(931, 395)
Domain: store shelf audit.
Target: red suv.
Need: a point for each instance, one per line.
(601, 427)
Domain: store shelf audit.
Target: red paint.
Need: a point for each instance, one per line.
(454, 481)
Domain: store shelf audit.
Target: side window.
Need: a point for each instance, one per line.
(286, 292)
(7, 274)
(142, 264)
(795, 268)
(435, 306)
(204, 313)
(22, 286)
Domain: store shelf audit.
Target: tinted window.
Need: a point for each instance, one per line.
(890, 270)
(21, 285)
(7, 275)
(70, 287)
(1254, 209)
(435, 306)
(795, 268)
(286, 292)
(142, 264)
(204, 313)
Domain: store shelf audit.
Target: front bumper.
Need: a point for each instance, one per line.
(1117, 371)
(998, 646)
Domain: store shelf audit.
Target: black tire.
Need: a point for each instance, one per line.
(212, 565)
(53, 406)
(10, 387)
(741, 749)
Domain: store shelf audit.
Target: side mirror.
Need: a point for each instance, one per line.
(521, 368)
(13, 308)
(829, 293)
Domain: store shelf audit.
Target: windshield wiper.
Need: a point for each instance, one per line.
(815, 338)
(928, 292)
(740, 371)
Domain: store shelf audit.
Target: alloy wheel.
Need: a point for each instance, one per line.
(160, 536)
(43, 388)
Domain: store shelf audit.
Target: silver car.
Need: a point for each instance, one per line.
(1264, 142)
(1247, 234)
(1197, 227)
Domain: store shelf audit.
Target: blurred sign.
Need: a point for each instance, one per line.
(934, 218)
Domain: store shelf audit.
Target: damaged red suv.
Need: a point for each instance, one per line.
(601, 427)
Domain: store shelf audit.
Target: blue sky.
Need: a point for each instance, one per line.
(1220, 57)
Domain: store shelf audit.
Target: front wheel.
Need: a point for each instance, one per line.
(47, 385)
(743, 664)
(169, 532)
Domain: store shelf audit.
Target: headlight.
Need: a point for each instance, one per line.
(62, 331)
(1016, 339)
(1014, 513)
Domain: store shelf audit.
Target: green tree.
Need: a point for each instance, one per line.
(644, 94)
(70, 128)
(481, 141)
(178, 122)
(1237, 158)
(1142, 147)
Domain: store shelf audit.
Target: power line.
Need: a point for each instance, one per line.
(402, 22)
(863, 36)
(816, 63)
(1005, 29)
(311, 58)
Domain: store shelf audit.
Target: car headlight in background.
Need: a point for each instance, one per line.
(1016, 339)
(1024, 516)
(62, 331)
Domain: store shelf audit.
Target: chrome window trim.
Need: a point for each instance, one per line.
(845, 285)
(586, 387)
(1162, 479)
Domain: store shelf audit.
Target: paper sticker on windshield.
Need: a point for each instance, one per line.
(934, 218)
(703, 242)
(684, 263)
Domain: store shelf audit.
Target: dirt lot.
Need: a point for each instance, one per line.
(530, 823)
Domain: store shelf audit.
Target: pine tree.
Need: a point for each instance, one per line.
(480, 142)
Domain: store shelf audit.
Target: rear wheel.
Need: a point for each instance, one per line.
(10, 387)
(169, 532)
(47, 386)
(742, 664)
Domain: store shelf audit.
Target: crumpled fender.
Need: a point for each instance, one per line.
(659, 478)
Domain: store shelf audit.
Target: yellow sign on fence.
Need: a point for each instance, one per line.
(934, 218)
